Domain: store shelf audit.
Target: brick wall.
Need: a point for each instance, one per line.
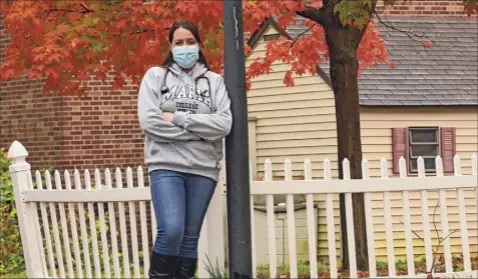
(100, 130)
(29, 116)
(423, 8)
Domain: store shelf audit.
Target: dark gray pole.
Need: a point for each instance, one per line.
(237, 154)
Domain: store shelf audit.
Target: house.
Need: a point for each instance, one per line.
(427, 106)
(430, 94)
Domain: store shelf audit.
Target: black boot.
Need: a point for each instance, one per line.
(162, 266)
(186, 268)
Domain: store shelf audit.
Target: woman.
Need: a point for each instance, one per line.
(184, 111)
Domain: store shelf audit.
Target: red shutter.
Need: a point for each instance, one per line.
(448, 148)
(400, 147)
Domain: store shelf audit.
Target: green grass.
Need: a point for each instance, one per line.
(322, 269)
(23, 274)
(14, 275)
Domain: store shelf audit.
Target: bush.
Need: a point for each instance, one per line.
(11, 254)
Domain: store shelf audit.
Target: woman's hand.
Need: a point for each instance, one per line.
(168, 116)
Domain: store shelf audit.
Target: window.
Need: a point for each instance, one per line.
(423, 142)
(427, 142)
(268, 38)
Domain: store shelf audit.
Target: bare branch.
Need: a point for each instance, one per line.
(412, 35)
(454, 231)
(415, 233)
(439, 242)
(435, 223)
(301, 34)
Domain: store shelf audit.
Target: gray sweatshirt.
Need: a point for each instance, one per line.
(192, 143)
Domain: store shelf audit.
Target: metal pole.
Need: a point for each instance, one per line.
(237, 154)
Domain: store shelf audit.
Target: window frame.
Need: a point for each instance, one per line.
(411, 144)
(271, 37)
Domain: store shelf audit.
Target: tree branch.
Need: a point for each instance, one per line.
(413, 36)
(314, 14)
(84, 11)
(69, 10)
(301, 34)
(432, 268)
(414, 232)
(440, 241)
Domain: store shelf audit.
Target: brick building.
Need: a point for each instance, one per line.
(102, 130)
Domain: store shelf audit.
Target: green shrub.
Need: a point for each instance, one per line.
(11, 254)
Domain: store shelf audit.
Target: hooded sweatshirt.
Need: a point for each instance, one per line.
(192, 142)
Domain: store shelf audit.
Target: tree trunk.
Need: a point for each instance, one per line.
(343, 43)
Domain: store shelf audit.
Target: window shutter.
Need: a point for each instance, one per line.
(448, 148)
(400, 147)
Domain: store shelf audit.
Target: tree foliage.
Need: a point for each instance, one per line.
(66, 42)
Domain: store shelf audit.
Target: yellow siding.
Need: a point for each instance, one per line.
(298, 122)
(376, 130)
(377, 124)
(293, 123)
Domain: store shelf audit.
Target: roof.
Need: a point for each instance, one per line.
(444, 75)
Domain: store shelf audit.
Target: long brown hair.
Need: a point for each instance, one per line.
(194, 30)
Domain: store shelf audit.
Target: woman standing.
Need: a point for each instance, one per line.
(184, 111)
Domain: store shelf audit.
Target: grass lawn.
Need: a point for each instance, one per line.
(21, 274)
(283, 271)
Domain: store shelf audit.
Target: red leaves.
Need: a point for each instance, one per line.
(372, 49)
(67, 42)
(74, 40)
(288, 78)
(427, 44)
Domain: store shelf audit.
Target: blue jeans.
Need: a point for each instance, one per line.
(180, 203)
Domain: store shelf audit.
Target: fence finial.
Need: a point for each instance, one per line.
(18, 154)
(17, 150)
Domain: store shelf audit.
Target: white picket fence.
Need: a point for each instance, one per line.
(385, 185)
(104, 258)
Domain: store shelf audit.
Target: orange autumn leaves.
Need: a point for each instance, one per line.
(67, 42)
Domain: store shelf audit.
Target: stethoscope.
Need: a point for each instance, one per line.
(165, 89)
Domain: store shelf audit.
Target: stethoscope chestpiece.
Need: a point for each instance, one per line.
(164, 90)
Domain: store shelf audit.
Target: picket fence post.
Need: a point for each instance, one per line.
(26, 212)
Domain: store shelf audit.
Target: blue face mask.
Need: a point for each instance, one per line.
(186, 56)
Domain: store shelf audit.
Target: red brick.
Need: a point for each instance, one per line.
(449, 8)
